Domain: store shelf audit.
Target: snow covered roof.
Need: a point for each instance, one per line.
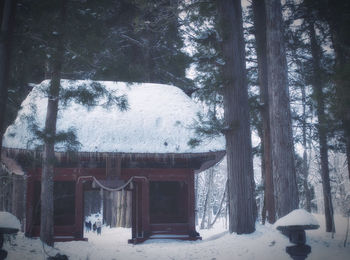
(10, 165)
(159, 120)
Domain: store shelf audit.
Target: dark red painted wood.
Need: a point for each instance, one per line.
(29, 205)
(79, 210)
(145, 208)
(191, 201)
(141, 227)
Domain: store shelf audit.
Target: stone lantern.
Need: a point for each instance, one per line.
(9, 224)
(293, 226)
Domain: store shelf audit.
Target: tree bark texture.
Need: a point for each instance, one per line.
(242, 206)
(283, 168)
(338, 20)
(305, 159)
(260, 36)
(7, 12)
(224, 195)
(47, 183)
(6, 184)
(128, 209)
(196, 197)
(317, 85)
(206, 206)
(118, 208)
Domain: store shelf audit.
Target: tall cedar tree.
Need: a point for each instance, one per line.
(305, 170)
(7, 14)
(242, 207)
(125, 27)
(47, 201)
(318, 86)
(283, 168)
(259, 13)
(338, 18)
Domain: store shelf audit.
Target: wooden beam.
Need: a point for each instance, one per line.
(79, 210)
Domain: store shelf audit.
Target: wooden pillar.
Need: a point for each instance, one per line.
(133, 211)
(18, 189)
(139, 213)
(29, 206)
(191, 202)
(145, 208)
(79, 210)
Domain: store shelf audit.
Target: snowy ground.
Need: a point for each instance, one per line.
(265, 243)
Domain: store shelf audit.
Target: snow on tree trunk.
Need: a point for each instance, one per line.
(242, 207)
(283, 168)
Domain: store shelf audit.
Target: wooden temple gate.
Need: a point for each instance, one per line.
(162, 188)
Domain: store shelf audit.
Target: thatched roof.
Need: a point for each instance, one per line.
(15, 159)
(160, 120)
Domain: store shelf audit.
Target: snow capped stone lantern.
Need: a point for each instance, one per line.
(293, 226)
(9, 224)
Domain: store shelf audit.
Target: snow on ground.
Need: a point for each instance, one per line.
(217, 244)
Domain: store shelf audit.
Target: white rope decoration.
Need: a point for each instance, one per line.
(112, 189)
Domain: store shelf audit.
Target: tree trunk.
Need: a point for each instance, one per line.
(114, 208)
(47, 183)
(348, 155)
(260, 36)
(210, 200)
(322, 127)
(120, 208)
(211, 224)
(207, 198)
(7, 12)
(242, 206)
(305, 160)
(124, 208)
(107, 207)
(128, 209)
(283, 168)
(196, 197)
(338, 20)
